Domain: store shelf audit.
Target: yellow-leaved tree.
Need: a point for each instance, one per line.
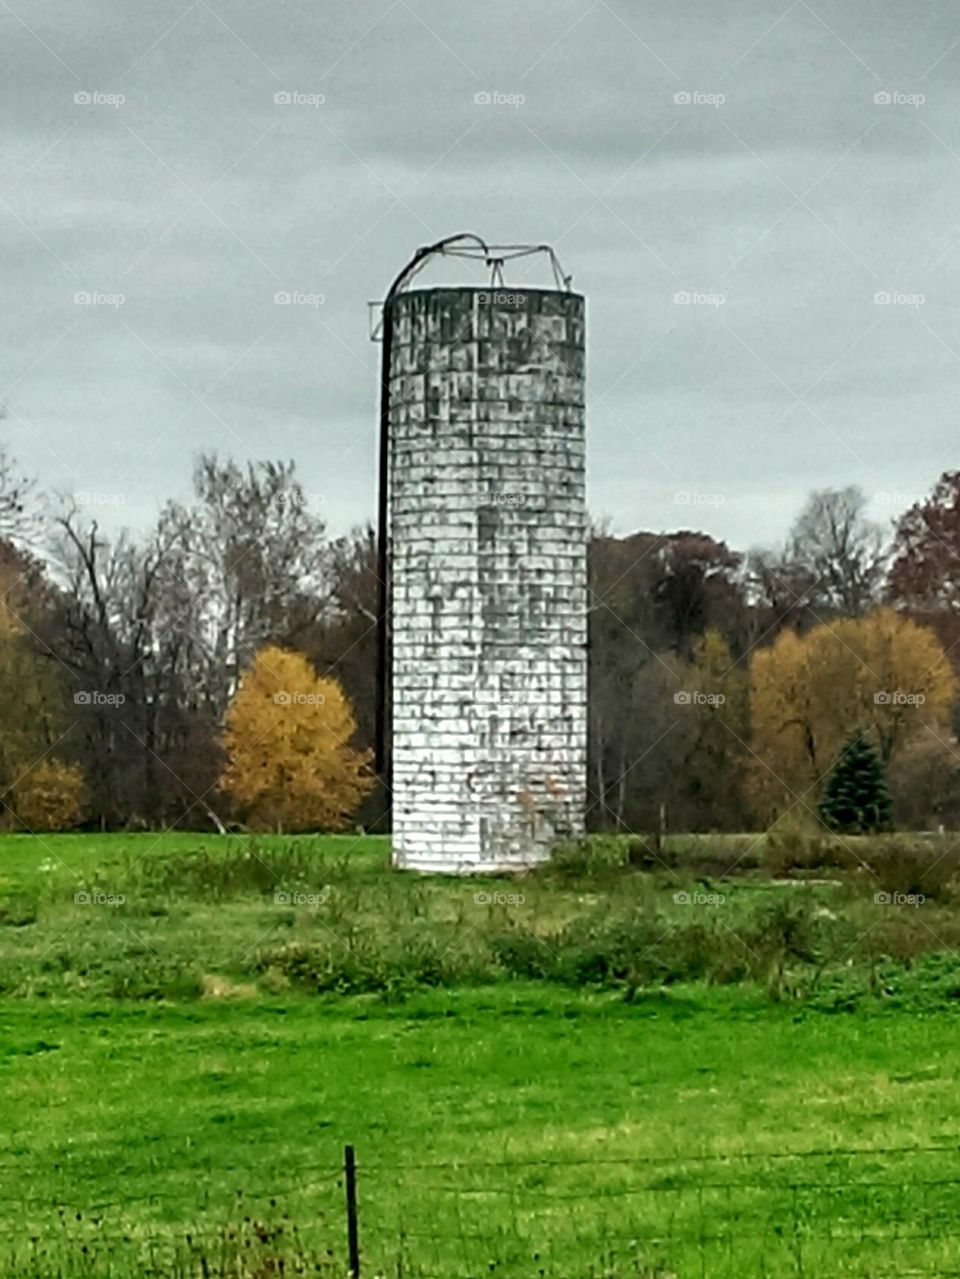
(883, 675)
(40, 792)
(51, 797)
(287, 737)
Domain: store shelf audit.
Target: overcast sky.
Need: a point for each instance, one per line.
(782, 198)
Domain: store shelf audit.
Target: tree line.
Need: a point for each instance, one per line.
(121, 657)
(725, 683)
(137, 673)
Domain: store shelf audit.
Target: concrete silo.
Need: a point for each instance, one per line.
(482, 496)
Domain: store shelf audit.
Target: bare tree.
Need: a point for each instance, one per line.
(342, 639)
(781, 595)
(96, 638)
(841, 549)
(246, 567)
(20, 520)
(146, 756)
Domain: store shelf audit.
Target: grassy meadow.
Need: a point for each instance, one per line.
(722, 1057)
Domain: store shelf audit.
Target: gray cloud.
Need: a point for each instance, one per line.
(797, 199)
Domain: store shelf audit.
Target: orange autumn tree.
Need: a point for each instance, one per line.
(287, 738)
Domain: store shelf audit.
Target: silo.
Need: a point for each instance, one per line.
(485, 498)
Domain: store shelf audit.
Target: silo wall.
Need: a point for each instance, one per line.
(488, 576)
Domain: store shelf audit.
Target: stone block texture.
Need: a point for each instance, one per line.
(488, 554)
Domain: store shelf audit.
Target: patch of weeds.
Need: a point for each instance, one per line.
(789, 851)
(18, 911)
(250, 870)
(925, 868)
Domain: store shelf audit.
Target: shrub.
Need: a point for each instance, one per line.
(791, 850)
(603, 855)
(925, 867)
(592, 855)
(51, 797)
(714, 855)
(18, 911)
(790, 943)
(522, 955)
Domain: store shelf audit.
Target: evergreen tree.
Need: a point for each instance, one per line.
(856, 799)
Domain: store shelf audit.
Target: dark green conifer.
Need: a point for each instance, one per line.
(855, 799)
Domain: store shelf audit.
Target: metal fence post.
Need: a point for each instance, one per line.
(353, 1236)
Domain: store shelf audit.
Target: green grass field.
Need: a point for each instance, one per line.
(528, 1092)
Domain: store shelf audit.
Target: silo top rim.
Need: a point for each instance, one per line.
(515, 290)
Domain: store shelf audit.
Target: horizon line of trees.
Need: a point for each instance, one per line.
(845, 629)
(723, 683)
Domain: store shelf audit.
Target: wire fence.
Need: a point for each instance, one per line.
(874, 1212)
